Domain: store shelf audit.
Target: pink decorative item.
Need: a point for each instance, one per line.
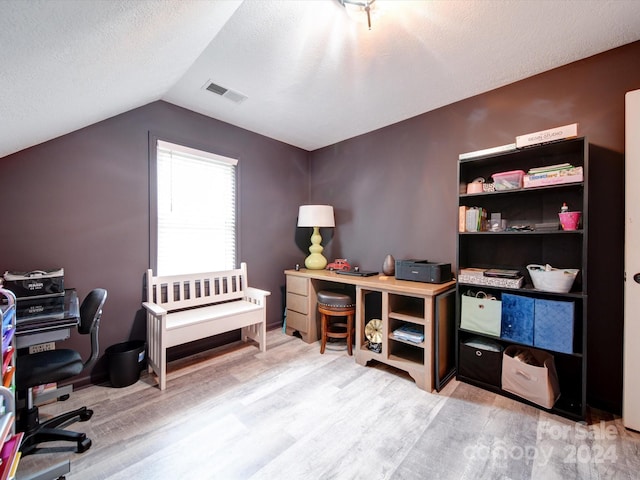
(475, 187)
(569, 220)
(339, 264)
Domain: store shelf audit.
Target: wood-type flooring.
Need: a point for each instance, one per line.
(291, 413)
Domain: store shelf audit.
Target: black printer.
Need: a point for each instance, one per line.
(423, 271)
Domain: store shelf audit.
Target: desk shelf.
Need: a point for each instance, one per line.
(402, 351)
(407, 318)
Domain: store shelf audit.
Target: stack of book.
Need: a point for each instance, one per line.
(553, 175)
(409, 333)
(472, 219)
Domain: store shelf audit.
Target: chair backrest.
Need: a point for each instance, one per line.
(90, 313)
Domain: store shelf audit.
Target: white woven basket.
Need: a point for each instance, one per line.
(549, 279)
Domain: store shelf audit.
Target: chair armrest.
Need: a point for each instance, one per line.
(155, 310)
(256, 292)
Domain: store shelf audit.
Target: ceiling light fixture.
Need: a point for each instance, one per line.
(363, 4)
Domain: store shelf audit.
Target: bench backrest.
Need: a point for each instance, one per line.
(175, 292)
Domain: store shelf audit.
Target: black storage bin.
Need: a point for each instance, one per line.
(125, 361)
(481, 360)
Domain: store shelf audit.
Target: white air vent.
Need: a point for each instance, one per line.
(232, 95)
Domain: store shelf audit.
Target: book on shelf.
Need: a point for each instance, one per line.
(409, 333)
(550, 168)
(472, 272)
(462, 218)
(475, 219)
(502, 273)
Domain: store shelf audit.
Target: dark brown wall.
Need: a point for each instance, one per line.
(81, 202)
(394, 190)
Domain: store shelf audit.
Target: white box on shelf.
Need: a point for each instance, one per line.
(545, 136)
(491, 281)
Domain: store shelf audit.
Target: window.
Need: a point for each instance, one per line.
(195, 203)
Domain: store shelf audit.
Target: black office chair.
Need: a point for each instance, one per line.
(52, 366)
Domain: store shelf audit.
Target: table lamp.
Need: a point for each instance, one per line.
(316, 216)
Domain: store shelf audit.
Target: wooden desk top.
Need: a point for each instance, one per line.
(379, 282)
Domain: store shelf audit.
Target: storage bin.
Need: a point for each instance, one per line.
(480, 315)
(31, 307)
(517, 318)
(508, 180)
(538, 384)
(481, 359)
(35, 283)
(549, 279)
(553, 325)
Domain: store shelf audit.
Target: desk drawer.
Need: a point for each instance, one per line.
(298, 285)
(297, 321)
(298, 303)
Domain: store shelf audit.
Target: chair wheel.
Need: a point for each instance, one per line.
(86, 415)
(84, 445)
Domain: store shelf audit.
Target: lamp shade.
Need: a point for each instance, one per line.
(316, 216)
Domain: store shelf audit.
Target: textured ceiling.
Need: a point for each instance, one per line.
(313, 74)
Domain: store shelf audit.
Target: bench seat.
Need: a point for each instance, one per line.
(184, 308)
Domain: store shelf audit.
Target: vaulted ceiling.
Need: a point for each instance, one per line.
(312, 73)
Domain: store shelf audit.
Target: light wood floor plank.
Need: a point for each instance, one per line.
(291, 413)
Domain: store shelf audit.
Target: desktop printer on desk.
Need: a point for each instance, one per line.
(423, 271)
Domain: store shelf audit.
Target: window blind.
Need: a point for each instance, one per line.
(196, 210)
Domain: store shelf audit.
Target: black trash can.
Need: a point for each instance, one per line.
(125, 361)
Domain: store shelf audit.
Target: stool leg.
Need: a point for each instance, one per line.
(349, 333)
(323, 330)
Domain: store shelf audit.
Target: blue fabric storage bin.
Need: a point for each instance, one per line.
(553, 328)
(518, 313)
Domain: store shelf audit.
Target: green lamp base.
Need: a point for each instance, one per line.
(316, 260)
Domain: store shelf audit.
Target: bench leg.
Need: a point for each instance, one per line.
(162, 376)
(257, 333)
(263, 339)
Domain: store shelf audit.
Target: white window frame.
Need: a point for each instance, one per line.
(180, 211)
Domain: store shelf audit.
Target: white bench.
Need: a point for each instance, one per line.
(184, 308)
